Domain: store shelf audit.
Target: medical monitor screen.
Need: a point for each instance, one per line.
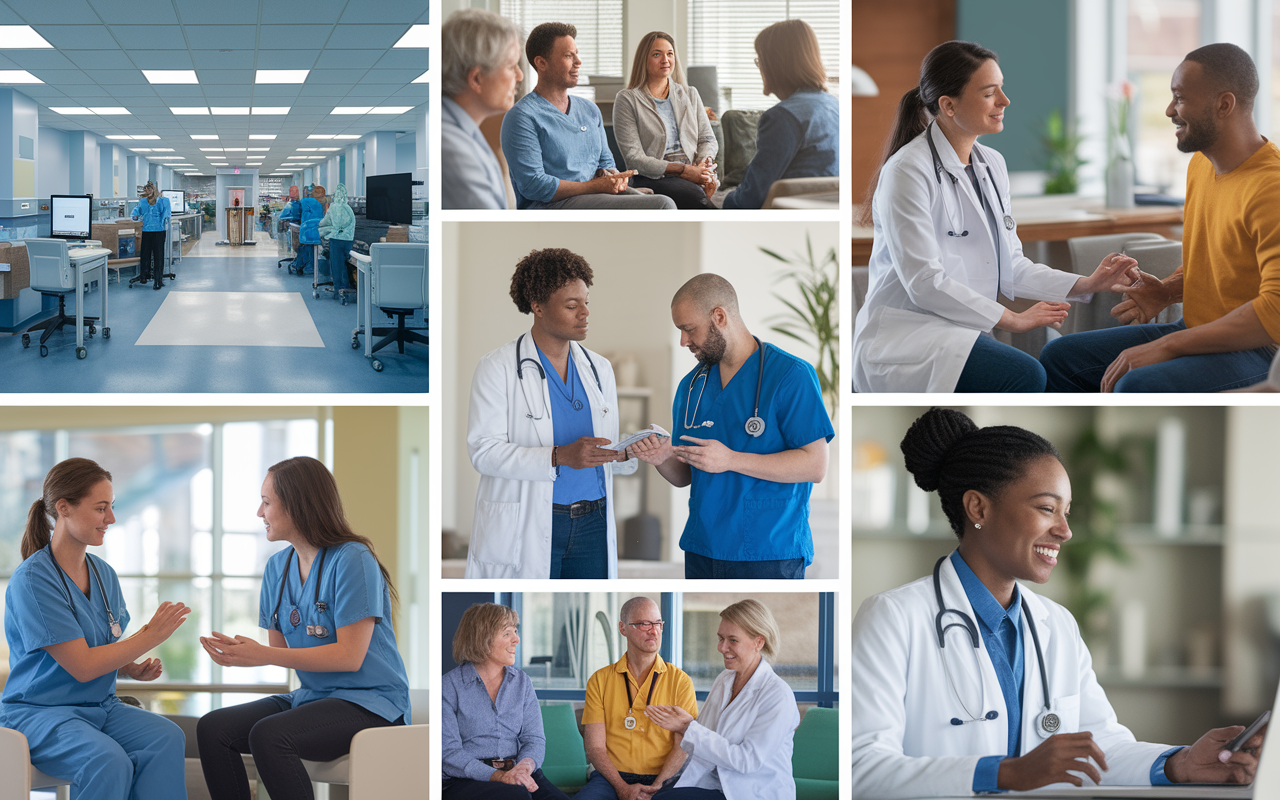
(177, 201)
(389, 198)
(69, 216)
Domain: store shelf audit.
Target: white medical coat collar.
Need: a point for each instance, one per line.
(758, 679)
(948, 156)
(964, 190)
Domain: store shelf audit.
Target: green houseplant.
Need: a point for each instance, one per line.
(815, 319)
(1061, 143)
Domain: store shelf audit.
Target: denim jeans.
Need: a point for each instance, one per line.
(993, 366)
(597, 788)
(699, 566)
(580, 545)
(339, 249)
(689, 793)
(467, 789)
(1076, 363)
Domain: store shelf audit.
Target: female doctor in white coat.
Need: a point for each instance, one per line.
(946, 245)
(740, 745)
(1011, 702)
(541, 407)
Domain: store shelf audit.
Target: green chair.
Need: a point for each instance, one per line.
(565, 764)
(815, 761)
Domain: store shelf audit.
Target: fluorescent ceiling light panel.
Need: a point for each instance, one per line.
(302, 158)
(329, 149)
(166, 158)
(171, 75)
(162, 149)
(391, 109)
(16, 76)
(204, 136)
(233, 149)
(352, 110)
(416, 36)
(265, 136)
(211, 149)
(150, 136)
(259, 149)
(229, 110)
(140, 149)
(21, 37)
(423, 78)
(281, 76)
(307, 149)
(68, 110)
(347, 136)
(119, 136)
(103, 111)
(322, 136)
(267, 110)
(189, 110)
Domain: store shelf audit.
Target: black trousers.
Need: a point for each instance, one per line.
(151, 251)
(467, 789)
(278, 737)
(686, 194)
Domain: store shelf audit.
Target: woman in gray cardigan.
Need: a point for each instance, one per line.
(662, 127)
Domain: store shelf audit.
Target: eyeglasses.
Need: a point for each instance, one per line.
(647, 626)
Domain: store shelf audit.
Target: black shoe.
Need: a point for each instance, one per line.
(157, 286)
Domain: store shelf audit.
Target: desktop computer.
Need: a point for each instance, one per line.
(70, 217)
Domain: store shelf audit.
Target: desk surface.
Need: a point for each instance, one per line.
(80, 253)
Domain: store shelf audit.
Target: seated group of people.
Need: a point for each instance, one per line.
(643, 731)
(318, 220)
(555, 144)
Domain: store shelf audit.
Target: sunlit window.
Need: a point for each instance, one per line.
(1160, 34)
(796, 661)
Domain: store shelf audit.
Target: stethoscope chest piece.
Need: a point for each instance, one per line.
(116, 630)
(755, 426)
(295, 618)
(577, 405)
(1049, 723)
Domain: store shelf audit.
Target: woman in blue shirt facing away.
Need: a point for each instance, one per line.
(153, 210)
(326, 602)
(492, 745)
(64, 621)
(800, 136)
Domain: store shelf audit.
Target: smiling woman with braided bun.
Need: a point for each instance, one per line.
(973, 683)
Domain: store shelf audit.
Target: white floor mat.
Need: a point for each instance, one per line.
(262, 319)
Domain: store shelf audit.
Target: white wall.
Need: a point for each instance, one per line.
(406, 154)
(53, 172)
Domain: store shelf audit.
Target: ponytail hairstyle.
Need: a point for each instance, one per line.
(69, 480)
(308, 493)
(944, 73)
(947, 453)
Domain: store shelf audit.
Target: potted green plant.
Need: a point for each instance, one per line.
(815, 320)
(1061, 143)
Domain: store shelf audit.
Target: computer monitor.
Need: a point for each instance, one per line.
(69, 216)
(389, 198)
(177, 200)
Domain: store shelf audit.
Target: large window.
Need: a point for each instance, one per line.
(1160, 34)
(722, 33)
(599, 24)
(186, 529)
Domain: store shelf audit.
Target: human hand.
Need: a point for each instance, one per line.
(167, 619)
(147, 670)
(611, 182)
(696, 173)
(1203, 761)
(1043, 314)
(1112, 269)
(1054, 761)
(633, 791)
(519, 775)
(585, 453)
(1145, 297)
(1142, 355)
(672, 718)
(708, 455)
(240, 651)
(653, 449)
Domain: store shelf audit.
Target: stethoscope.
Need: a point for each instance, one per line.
(520, 362)
(1047, 722)
(629, 721)
(295, 617)
(755, 425)
(938, 169)
(116, 630)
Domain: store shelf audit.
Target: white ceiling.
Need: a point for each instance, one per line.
(101, 46)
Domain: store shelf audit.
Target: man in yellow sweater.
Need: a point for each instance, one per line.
(1229, 281)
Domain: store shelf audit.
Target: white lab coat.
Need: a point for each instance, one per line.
(747, 742)
(930, 295)
(509, 438)
(904, 744)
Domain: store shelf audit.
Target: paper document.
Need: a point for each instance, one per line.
(655, 430)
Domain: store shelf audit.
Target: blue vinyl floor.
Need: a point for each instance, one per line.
(120, 364)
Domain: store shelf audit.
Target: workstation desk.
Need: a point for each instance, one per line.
(90, 263)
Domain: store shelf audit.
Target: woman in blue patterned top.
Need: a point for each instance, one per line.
(153, 210)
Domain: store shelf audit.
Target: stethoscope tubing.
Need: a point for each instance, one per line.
(284, 578)
(116, 630)
(542, 373)
(754, 425)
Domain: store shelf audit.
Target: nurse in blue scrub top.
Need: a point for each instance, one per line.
(326, 602)
(753, 435)
(64, 621)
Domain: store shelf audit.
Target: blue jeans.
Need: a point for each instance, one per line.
(339, 249)
(1077, 362)
(597, 788)
(699, 566)
(690, 793)
(302, 261)
(993, 366)
(467, 789)
(580, 545)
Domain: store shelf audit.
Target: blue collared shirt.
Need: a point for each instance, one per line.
(797, 138)
(475, 727)
(545, 145)
(471, 177)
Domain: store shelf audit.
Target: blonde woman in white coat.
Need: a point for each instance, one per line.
(946, 246)
(740, 745)
(662, 127)
(541, 407)
(1011, 702)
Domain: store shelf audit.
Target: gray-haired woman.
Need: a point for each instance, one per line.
(481, 76)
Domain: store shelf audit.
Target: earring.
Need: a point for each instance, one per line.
(977, 526)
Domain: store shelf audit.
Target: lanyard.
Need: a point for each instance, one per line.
(631, 700)
(116, 630)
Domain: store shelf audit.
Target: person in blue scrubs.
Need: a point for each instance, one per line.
(64, 621)
(311, 212)
(326, 601)
(755, 442)
(153, 209)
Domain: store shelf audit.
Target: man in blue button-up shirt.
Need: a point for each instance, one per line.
(555, 144)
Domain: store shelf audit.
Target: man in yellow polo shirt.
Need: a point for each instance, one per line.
(1229, 281)
(633, 756)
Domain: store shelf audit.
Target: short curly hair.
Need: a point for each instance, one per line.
(543, 38)
(541, 274)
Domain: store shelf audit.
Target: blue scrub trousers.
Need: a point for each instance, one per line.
(109, 752)
(994, 366)
(1077, 362)
(339, 249)
(697, 566)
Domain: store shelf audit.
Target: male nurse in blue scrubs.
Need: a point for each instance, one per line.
(751, 445)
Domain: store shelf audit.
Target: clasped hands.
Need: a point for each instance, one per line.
(610, 181)
(521, 774)
(708, 455)
(1050, 314)
(238, 651)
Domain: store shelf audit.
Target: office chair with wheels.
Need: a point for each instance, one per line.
(53, 276)
(399, 278)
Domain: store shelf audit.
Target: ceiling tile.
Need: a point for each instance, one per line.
(145, 37)
(201, 12)
(275, 92)
(384, 11)
(39, 59)
(398, 76)
(177, 91)
(160, 59)
(8, 17)
(103, 59)
(218, 37)
(135, 12)
(296, 37)
(221, 92)
(53, 12)
(287, 59)
(76, 37)
(59, 77)
(325, 76)
(139, 92)
(349, 59)
(118, 77)
(360, 37)
(326, 11)
(216, 59)
(5, 63)
(325, 90)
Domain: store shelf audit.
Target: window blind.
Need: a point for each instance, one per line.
(722, 33)
(599, 24)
